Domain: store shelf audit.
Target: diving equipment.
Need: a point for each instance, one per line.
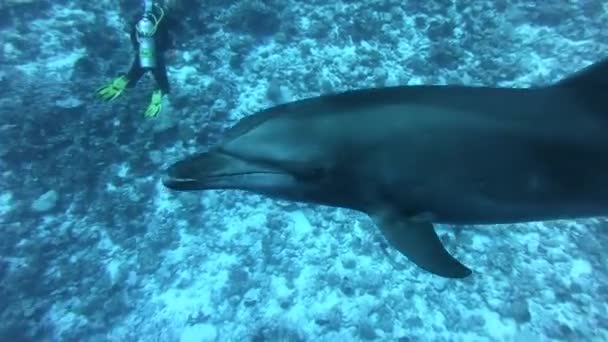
(147, 47)
(145, 30)
(155, 104)
(113, 89)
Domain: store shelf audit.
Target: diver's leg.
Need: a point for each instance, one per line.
(162, 89)
(135, 72)
(160, 75)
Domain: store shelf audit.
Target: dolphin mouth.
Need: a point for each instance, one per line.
(180, 184)
(217, 170)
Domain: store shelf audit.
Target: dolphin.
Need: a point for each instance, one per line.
(414, 156)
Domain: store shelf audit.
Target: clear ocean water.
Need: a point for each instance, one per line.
(93, 246)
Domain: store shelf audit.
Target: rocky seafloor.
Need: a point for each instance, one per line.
(94, 248)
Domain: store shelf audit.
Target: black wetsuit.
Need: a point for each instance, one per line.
(163, 42)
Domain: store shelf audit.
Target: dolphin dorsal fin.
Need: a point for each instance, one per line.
(593, 76)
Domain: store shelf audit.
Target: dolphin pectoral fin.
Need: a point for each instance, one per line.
(418, 241)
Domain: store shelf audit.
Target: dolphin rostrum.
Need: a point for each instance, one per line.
(411, 156)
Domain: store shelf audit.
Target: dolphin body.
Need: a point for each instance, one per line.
(411, 156)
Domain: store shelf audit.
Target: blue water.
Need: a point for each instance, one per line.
(94, 248)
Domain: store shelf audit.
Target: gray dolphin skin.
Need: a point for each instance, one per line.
(412, 156)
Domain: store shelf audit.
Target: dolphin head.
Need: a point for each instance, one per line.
(218, 169)
(275, 156)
